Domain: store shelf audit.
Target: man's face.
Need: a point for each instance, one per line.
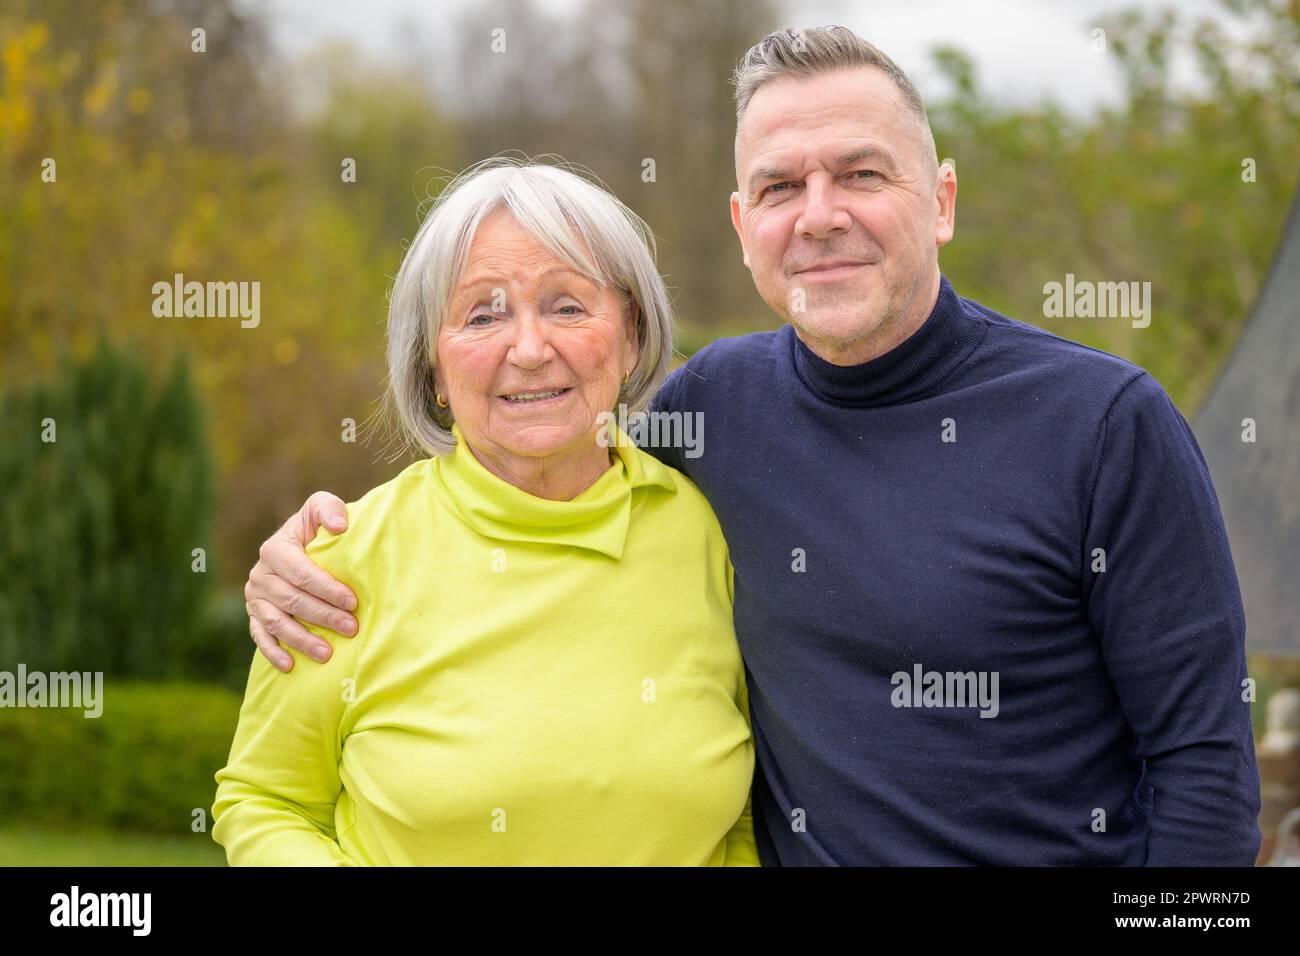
(840, 210)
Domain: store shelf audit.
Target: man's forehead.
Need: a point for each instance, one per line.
(857, 103)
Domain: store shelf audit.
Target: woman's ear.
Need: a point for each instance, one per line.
(632, 319)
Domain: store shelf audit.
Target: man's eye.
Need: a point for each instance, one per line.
(866, 174)
(777, 187)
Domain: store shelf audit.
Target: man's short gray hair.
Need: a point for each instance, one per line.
(581, 223)
(803, 53)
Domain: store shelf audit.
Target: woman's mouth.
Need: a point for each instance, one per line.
(534, 398)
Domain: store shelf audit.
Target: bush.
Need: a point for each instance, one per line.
(145, 764)
(98, 526)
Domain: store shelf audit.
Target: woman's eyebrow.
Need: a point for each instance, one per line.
(474, 293)
(564, 271)
(474, 290)
(501, 278)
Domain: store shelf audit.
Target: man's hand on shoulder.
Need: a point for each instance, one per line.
(285, 584)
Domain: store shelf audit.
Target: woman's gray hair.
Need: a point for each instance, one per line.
(578, 221)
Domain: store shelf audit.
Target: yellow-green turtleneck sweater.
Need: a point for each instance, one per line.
(533, 682)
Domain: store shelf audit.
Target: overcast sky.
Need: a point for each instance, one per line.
(1024, 49)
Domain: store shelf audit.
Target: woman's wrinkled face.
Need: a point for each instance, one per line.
(531, 351)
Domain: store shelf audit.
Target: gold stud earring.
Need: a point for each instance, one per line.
(442, 402)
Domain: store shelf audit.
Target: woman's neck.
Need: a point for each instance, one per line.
(556, 478)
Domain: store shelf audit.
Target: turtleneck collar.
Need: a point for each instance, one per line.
(906, 371)
(597, 519)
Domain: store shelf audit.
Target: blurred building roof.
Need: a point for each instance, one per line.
(1259, 483)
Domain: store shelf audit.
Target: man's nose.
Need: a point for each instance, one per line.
(532, 345)
(823, 213)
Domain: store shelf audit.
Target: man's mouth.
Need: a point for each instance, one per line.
(534, 397)
(831, 267)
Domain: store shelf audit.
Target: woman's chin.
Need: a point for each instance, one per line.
(541, 438)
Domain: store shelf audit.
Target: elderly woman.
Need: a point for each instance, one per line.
(545, 671)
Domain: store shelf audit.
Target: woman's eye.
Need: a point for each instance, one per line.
(569, 310)
(474, 319)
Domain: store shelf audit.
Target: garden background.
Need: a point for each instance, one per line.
(176, 434)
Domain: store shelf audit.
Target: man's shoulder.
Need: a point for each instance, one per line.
(1022, 348)
(730, 363)
(736, 352)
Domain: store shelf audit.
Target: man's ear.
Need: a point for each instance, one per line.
(945, 197)
(739, 227)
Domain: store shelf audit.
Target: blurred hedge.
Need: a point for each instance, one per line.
(145, 764)
(98, 527)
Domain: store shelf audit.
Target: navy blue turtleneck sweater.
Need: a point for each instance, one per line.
(985, 601)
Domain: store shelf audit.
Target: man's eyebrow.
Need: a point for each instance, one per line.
(768, 174)
(854, 156)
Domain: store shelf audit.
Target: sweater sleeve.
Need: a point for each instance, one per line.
(276, 797)
(1167, 612)
(742, 850)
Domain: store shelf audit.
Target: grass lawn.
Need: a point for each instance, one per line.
(25, 846)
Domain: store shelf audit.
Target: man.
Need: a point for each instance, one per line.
(983, 590)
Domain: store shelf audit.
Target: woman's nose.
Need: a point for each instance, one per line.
(532, 346)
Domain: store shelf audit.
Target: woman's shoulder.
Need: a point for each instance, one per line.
(683, 498)
(398, 502)
(409, 483)
(683, 530)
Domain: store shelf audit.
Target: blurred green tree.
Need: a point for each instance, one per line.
(105, 523)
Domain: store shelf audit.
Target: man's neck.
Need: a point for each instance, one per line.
(890, 334)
